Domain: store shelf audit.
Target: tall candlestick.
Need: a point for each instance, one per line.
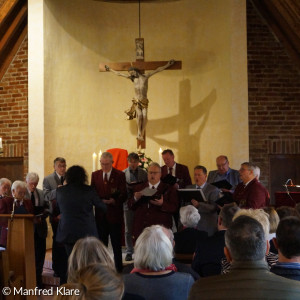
(99, 156)
(94, 161)
(0, 142)
(159, 156)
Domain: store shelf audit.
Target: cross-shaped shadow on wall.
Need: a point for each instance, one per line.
(188, 144)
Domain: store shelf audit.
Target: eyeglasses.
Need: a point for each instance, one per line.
(222, 165)
(151, 173)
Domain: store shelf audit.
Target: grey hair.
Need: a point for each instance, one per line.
(32, 177)
(107, 155)
(154, 164)
(256, 172)
(189, 216)
(153, 249)
(18, 184)
(250, 166)
(5, 180)
(258, 214)
(245, 239)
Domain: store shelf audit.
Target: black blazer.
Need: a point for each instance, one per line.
(208, 255)
(77, 216)
(186, 240)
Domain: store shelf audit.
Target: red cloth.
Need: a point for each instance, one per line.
(119, 157)
(170, 267)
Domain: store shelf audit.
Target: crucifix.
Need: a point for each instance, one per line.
(136, 73)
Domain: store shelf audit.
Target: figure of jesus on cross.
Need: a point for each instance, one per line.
(139, 107)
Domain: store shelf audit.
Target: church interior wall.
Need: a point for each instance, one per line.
(193, 111)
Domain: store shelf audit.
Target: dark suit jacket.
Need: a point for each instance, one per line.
(254, 195)
(187, 239)
(233, 177)
(147, 214)
(246, 280)
(181, 172)
(142, 177)
(116, 185)
(6, 207)
(41, 228)
(208, 255)
(76, 205)
(208, 210)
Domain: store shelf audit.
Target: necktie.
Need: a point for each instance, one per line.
(105, 178)
(32, 199)
(170, 170)
(62, 180)
(198, 187)
(17, 203)
(153, 187)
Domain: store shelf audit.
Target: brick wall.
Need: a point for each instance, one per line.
(274, 96)
(14, 107)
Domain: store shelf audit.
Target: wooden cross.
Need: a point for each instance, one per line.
(142, 66)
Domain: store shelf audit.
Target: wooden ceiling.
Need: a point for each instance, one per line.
(283, 19)
(13, 29)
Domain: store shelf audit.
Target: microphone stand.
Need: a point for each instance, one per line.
(287, 190)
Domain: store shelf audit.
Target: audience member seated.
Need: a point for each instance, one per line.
(287, 242)
(186, 240)
(246, 246)
(207, 209)
(263, 218)
(181, 267)
(93, 282)
(208, 255)
(87, 251)
(154, 276)
(274, 221)
(250, 193)
(286, 211)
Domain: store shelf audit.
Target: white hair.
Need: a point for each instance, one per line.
(189, 216)
(256, 172)
(259, 215)
(4, 180)
(32, 177)
(107, 155)
(153, 249)
(18, 184)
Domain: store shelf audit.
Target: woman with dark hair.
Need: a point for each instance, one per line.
(76, 201)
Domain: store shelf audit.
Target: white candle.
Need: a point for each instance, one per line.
(159, 156)
(99, 156)
(0, 142)
(94, 161)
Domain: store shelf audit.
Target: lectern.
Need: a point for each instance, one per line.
(19, 258)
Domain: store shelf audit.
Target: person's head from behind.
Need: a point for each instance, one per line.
(286, 211)
(259, 215)
(94, 282)
(76, 175)
(288, 238)
(153, 249)
(85, 252)
(226, 215)
(245, 240)
(273, 218)
(189, 216)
